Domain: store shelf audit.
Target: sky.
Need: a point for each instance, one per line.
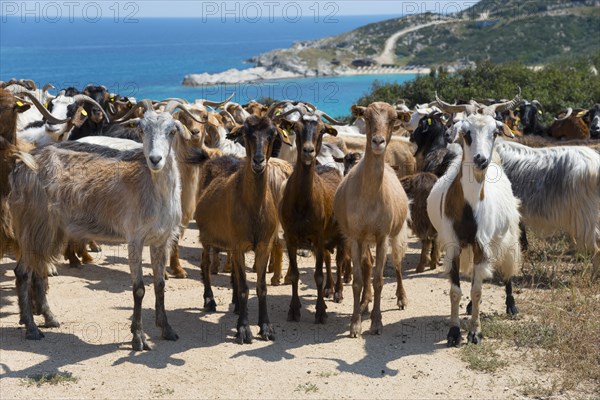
(228, 9)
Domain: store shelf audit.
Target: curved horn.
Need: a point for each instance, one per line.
(83, 97)
(44, 111)
(537, 104)
(328, 118)
(145, 104)
(227, 114)
(173, 105)
(215, 104)
(47, 87)
(274, 106)
(451, 108)
(567, 115)
(288, 112)
(501, 107)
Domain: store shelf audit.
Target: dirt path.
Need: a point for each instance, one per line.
(94, 305)
(388, 55)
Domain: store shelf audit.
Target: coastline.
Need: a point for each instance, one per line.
(262, 74)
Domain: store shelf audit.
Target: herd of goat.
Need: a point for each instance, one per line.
(466, 179)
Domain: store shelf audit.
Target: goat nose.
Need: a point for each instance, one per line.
(155, 159)
(378, 140)
(259, 159)
(309, 150)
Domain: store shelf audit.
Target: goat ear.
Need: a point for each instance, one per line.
(504, 129)
(284, 136)
(338, 159)
(330, 130)
(404, 116)
(358, 111)
(183, 131)
(235, 132)
(21, 106)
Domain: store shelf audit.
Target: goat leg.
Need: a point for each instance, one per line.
(174, 263)
(70, 254)
(366, 266)
(23, 278)
(357, 288)
(209, 298)
(511, 305)
(321, 313)
(474, 335)
(454, 336)
(329, 288)
(39, 286)
(340, 259)
(158, 257)
(244, 334)
(276, 262)
(380, 256)
(294, 275)
(138, 342)
(425, 259)
(262, 256)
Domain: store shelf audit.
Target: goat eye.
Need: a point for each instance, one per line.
(173, 132)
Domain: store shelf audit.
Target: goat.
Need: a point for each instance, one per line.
(570, 124)
(63, 114)
(306, 212)
(237, 213)
(432, 153)
(559, 188)
(474, 211)
(96, 122)
(592, 118)
(10, 108)
(126, 195)
(529, 114)
(371, 205)
(417, 188)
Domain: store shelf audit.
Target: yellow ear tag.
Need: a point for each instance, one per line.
(84, 113)
(428, 121)
(285, 132)
(579, 114)
(539, 111)
(19, 104)
(45, 105)
(278, 112)
(112, 99)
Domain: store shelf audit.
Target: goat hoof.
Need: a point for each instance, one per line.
(320, 316)
(327, 293)
(304, 253)
(474, 338)
(376, 328)
(51, 323)
(355, 328)
(180, 274)
(169, 333)
(287, 280)
(454, 337)
(87, 259)
(420, 268)
(34, 334)
(243, 335)
(52, 271)
(469, 308)
(138, 343)
(294, 314)
(210, 304)
(95, 248)
(511, 306)
(402, 303)
(338, 297)
(266, 332)
(275, 281)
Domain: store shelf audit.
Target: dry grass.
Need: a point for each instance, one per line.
(50, 379)
(560, 320)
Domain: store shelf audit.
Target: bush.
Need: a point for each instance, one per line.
(562, 84)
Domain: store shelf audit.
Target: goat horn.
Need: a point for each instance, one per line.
(288, 112)
(215, 104)
(173, 105)
(228, 115)
(567, 115)
(451, 108)
(274, 106)
(47, 87)
(83, 97)
(44, 111)
(537, 104)
(500, 107)
(145, 104)
(328, 118)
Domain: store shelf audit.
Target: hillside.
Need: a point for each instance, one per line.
(531, 32)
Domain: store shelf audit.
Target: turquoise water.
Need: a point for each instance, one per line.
(149, 59)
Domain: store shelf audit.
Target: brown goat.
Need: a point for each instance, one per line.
(238, 213)
(417, 188)
(306, 212)
(570, 125)
(371, 206)
(10, 107)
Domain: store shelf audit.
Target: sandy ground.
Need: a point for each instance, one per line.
(94, 305)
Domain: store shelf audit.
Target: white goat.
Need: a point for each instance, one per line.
(88, 191)
(560, 190)
(476, 215)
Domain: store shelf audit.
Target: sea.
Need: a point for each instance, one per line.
(149, 57)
